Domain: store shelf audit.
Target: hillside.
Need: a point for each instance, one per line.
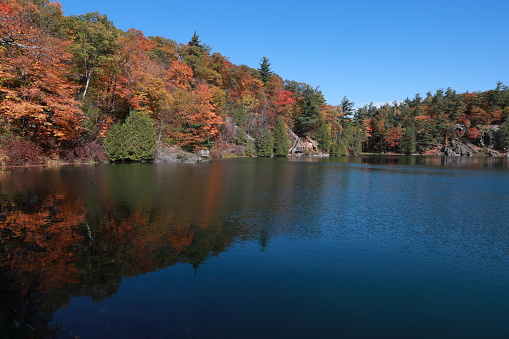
(68, 85)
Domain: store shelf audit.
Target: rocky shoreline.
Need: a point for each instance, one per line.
(166, 154)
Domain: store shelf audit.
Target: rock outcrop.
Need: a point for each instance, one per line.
(172, 154)
(458, 148)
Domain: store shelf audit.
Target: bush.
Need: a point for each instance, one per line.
(89, 152)
(115, 142)
(15, 151)
(133, 140)
(226, 150)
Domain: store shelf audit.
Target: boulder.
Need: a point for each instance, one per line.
(458, 148)
(172, 154)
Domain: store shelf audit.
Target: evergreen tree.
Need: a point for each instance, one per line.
(133, 140)
(240, 116)
(195, 55)
(503, 137)
(408, 143)
(265, 71)
(280, 138)
(347, 106)
(312, 103)
(195, 42)
(347, 138)
(115, 142)
(323, 136)
(358, 137)
(334, 151)
(425, 137)
(241, 137)
(142, 137)
(266, 144)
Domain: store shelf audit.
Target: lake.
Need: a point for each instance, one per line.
(339, 247)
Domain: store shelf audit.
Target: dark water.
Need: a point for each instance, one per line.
(360, 247)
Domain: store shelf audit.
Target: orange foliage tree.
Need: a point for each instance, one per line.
(200, 122)
(37, 101)
(393, 138)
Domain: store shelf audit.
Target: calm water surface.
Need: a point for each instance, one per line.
(358, 247)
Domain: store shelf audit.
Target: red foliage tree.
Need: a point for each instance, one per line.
(37, 101)
(200, 124)
(393, 138)
(474, 133)
(180, 75)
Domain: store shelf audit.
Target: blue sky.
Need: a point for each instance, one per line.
(368, 50)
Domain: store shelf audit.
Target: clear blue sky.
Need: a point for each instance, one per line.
(368, 50)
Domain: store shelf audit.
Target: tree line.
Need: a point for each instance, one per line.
(438, 120)
(76, 87)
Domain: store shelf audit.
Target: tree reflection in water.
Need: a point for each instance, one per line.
(70, 232)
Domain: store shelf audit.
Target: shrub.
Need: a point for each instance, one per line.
(133, 140)
(16, 151)
(89, 152)
(115, 142)
(226, 150)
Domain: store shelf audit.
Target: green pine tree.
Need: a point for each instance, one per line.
(134, 140)
(408, 143)
(265, 71)
(195, 42)
(334, 151)
(142, 137)
(347, 137)
(323, 137)
(358, 137)
(240, 116)
(280, 138)
(266, 143)
(503, 137)
(312, 103)
(425, 138)
(115, 142)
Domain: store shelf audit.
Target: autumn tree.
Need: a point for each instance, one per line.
(164, 51)
(197, 56)
(131, 80)
(180, 75)
(94, 41)
(38, 101)
(199, 121)
(393, 139)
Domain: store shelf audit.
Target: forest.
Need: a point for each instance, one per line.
(76, 89)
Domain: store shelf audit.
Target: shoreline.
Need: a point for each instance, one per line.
(61, 164)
